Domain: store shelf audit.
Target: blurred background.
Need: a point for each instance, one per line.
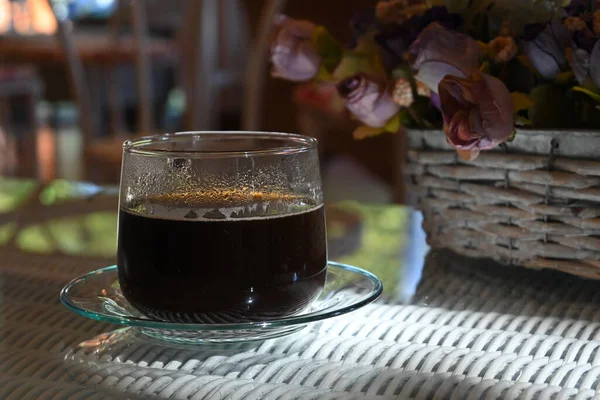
(77, 77)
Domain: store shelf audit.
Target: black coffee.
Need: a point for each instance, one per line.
(221, 264)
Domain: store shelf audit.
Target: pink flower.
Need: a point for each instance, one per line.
(477, 111)
(438, 52)
(368, 99)
(293, 54)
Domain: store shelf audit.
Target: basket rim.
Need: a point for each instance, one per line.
(584, 132)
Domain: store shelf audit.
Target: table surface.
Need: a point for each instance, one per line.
(444, 328)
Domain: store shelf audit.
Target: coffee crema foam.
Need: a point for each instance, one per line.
(211, 205)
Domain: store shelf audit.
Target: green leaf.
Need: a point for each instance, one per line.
(365, 57)
(522, 121)
(353, 63)
(512, 136)
(364, 131)
(427, 124)
(591, 94)
(323, 75)
(485, 67)
(393, 125)
(521, 101)
(405, 118)
(328, 48)
(564, 77)
(402, 71)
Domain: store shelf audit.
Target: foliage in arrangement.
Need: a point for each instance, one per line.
(477, 68)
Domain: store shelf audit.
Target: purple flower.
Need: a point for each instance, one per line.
(477, 112)
(544, 46)
(585, 49)
(435, 101)
(368, 99)
(396, 38)
(439, 52)
(293, 54)
(586, 66)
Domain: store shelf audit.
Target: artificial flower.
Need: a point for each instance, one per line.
(574, 24)
(439, 52)
(583, 54)
(368, 98)
(395, 39)
(403, 95)
(423, 90)
(596, 22)
(586, 66)
(403, 92)
(502, 49)
(521, 13)
(435, 101)
(293, 54)
(581, 34)
(320, 96)
(477, 113)
(544, 46)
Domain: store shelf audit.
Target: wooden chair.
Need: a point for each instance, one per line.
(258, 64)
(19, 82)
(209, 67)
(215, 39)
(102, 156)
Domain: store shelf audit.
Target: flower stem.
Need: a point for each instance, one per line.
(415, 116)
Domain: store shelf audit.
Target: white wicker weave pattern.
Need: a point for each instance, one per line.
(531, 202)
(27, 388)
(471, 341)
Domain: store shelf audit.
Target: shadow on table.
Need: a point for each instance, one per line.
(455, 282)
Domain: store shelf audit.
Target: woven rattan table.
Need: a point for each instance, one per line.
(444, 329)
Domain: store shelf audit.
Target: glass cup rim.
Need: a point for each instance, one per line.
(291, 144)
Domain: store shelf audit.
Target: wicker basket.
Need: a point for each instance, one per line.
(534, 202)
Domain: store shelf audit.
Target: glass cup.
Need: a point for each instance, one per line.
(220, 227)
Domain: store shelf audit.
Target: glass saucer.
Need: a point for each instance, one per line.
(97, 295)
